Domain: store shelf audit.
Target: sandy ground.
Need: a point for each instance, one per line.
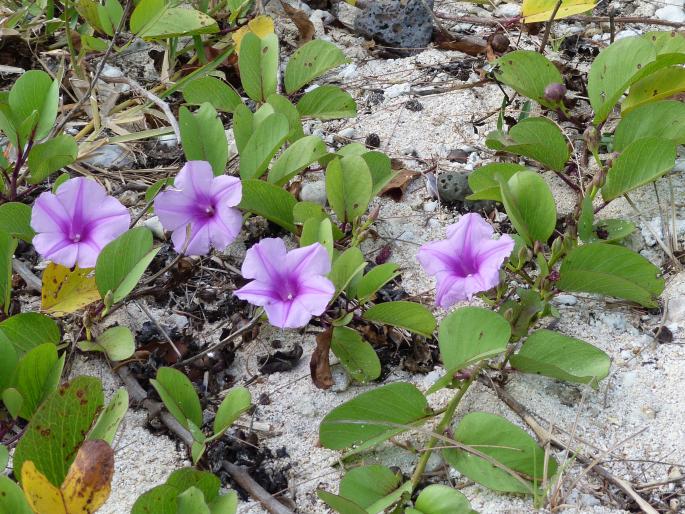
(634, 423)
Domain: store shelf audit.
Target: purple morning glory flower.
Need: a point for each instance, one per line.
(204, 202)
(291, 286)
(76, 222)
(467, 262)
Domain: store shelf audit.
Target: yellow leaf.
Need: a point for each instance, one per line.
(535, 11)
(89, 480)
(66, 291)
(85, 488)
(43, 497)
(261, 26)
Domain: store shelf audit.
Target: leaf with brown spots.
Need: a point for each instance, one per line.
(65, 291)
(43, 497)
(89, 481)
(319, 365)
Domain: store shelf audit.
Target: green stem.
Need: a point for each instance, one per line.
(442, 426)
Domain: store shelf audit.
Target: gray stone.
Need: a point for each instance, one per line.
(314, 192)
(341, 379)
(566, 299)
(397, 23)
(453, 188)
(110, 156)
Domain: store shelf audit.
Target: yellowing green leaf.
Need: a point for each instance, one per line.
(66, 291)
(260, 26)
(43, 497)
(89, 481)
(535, 11)
(659, 85)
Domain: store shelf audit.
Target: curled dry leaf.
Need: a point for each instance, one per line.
(319, 365)
(397, 185)
(85, 488)
(301, 21)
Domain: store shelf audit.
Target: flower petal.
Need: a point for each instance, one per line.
(289, 314)
(314, 293)
(49, 215)
(228, 190)
(175, 209)
(199, 239)
(453, 288)
(490, 256)
(470, 230)
(195, 179)
(258, 293)
(224, 226)
(310, 260)
(264, 259)
(88, 252)
(105, 230)
(439, 256)
(57, 248)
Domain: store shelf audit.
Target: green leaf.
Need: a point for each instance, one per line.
(269, 201)
(110, 418)
(643, 161)
(116, 342)
(665, 119)
(191, 501)
(363, 421)
(243, 126)
(15, 219)
(162, 499)
(327, 103)
(27, 330)
(555, 355)
(12, 499)
(8, 364)
(310, 61)
(586, 219)
(412, 316)
(237, 401)
(282, 105)
(35, 91)
(365, 485)
(625, 62)
(49, 441)
(179, 396)
(210, 89)
(318, 231)
(348, 187)
(504, 442)
(528, 73)
(51, 156)
(13, 401)
(615, 230)
(355, 354)
(38, 374)
(122, 263)
(441, 499)
(376, 278)
(537, 138)
(484, 181)
(381, 170)
(258, 62)
(340, 504)
(295, 158)
(203, 137)
(4, 457)
(7, 246)
(659, 85)
(157, 19)
(611, 270)
(471, 334)
(225, 504)
(530, 206)
(345, 267)
(266, 140)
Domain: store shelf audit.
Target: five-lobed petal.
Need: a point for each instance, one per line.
(467, 262)
(291, 286)
(204, 203)
(75, 223)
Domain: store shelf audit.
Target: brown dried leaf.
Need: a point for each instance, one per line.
(89, 481)
(397, 185)
(301, 21)
(467, 44)
(319, 365)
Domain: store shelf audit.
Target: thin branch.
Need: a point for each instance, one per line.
(255, 490)
(33, 283)
(548, 27)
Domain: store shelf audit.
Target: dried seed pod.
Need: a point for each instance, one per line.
(555, 92)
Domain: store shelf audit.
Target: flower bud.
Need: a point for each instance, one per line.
(523, 255)
(591, 138)
(537, 247)
(612, 157)
(555, 92)
(557, 246)
(509, 314)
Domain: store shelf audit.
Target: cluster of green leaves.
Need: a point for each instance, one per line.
(485, 448)
(181, 400)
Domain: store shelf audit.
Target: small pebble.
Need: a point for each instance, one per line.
(671, 13)
(373, 140)
(414, 105)
(155, 227)
(348, 133)
(397, 90)
(565, 299)
(341, 379)
(430, 206)
(314, 192)
(508, 11)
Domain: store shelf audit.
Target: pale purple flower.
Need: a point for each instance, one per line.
(467, 262)
(204, 202)
(291, 286)
(76, 222)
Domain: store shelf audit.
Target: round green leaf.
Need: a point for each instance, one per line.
(237, 401)
(266, 140)
(269, 201)
(441, 499)
(355, 354)
(295, 158)
(665, 119)
(35, 91)
(528, 73)
(12, 499)
(327, 103)
(309, 62)
(210, 89)
(15, 219)
(348, 187)
(179, 396)
(203, 137)
(27, 330)
(51, 156)
(37, 375)
(412, 316)
(555, 355)
(366, 485)
(117, 342)
(484, 181)
(258, 61)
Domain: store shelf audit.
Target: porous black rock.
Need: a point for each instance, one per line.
(397, 23)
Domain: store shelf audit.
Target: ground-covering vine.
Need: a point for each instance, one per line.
(311, 271)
